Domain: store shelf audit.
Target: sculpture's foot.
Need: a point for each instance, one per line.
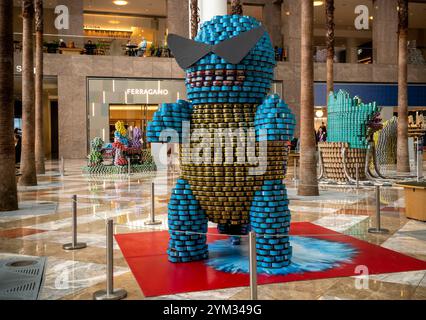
(270, 219)
(187, 226)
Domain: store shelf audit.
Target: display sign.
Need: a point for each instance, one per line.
(150, 92)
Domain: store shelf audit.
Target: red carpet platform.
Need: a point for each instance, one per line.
(146, 255)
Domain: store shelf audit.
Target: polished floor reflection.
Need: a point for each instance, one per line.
(43, 224)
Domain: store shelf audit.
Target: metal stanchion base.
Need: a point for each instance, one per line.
(78, 245)
(152, 223)
(117, 294)
(378, 231)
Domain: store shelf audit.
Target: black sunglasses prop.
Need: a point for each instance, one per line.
(233, 50)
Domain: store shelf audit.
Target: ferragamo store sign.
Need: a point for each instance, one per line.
(150, 92)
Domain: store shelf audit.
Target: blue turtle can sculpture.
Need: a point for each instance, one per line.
(229, 72)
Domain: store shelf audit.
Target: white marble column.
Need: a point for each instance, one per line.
(211, 8)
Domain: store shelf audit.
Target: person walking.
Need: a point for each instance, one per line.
(321, 135)
(18, 147)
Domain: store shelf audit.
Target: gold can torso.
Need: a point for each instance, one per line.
(225, 188)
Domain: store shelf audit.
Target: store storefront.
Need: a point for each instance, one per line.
(50, 111)
(132, 101)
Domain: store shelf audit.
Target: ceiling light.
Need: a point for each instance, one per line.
(319, 113)
(114, 21)
(287, 13)
(318, 3)
(120, 2)
(371, 18)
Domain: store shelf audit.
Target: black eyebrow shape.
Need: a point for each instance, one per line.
(233, 50)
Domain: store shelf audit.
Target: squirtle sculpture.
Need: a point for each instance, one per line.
(229, 71)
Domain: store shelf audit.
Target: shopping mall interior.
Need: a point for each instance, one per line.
(131, 199)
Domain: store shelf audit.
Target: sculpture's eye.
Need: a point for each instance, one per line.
(186, 51)
(233, 50)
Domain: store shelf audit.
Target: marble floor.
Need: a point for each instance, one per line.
(44, 223)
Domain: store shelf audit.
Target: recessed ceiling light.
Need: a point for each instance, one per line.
(371, 17)
(287, 13)
(120, 2)
(318, 3)
(114, 21)
(319, 113)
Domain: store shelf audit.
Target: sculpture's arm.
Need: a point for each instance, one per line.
(168, 119)
(274, 121)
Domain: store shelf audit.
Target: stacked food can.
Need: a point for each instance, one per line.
(213, 80)
(270, 219)
(234, 161)
(332, 158)
(169, 116)
(349, 119)
(350, 125)
(185, 214)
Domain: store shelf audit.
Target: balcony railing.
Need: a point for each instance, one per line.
(93, 45)
(365, 55)
(105, 46)
(345, 55)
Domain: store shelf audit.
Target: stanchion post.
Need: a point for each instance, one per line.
(416, 148)
(253, 265)
(152, 202)
(419, 159)
(378, 228)
(74, 245)
(110, 293)
(295, 169)
(62, 166)
(152, 221)
(357, 175)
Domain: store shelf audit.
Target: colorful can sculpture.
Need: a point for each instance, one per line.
(233, 139)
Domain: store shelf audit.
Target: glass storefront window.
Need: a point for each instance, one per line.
(133, 116)
(125, 34)
(132, 101)
(50, 110)
(98, 27)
